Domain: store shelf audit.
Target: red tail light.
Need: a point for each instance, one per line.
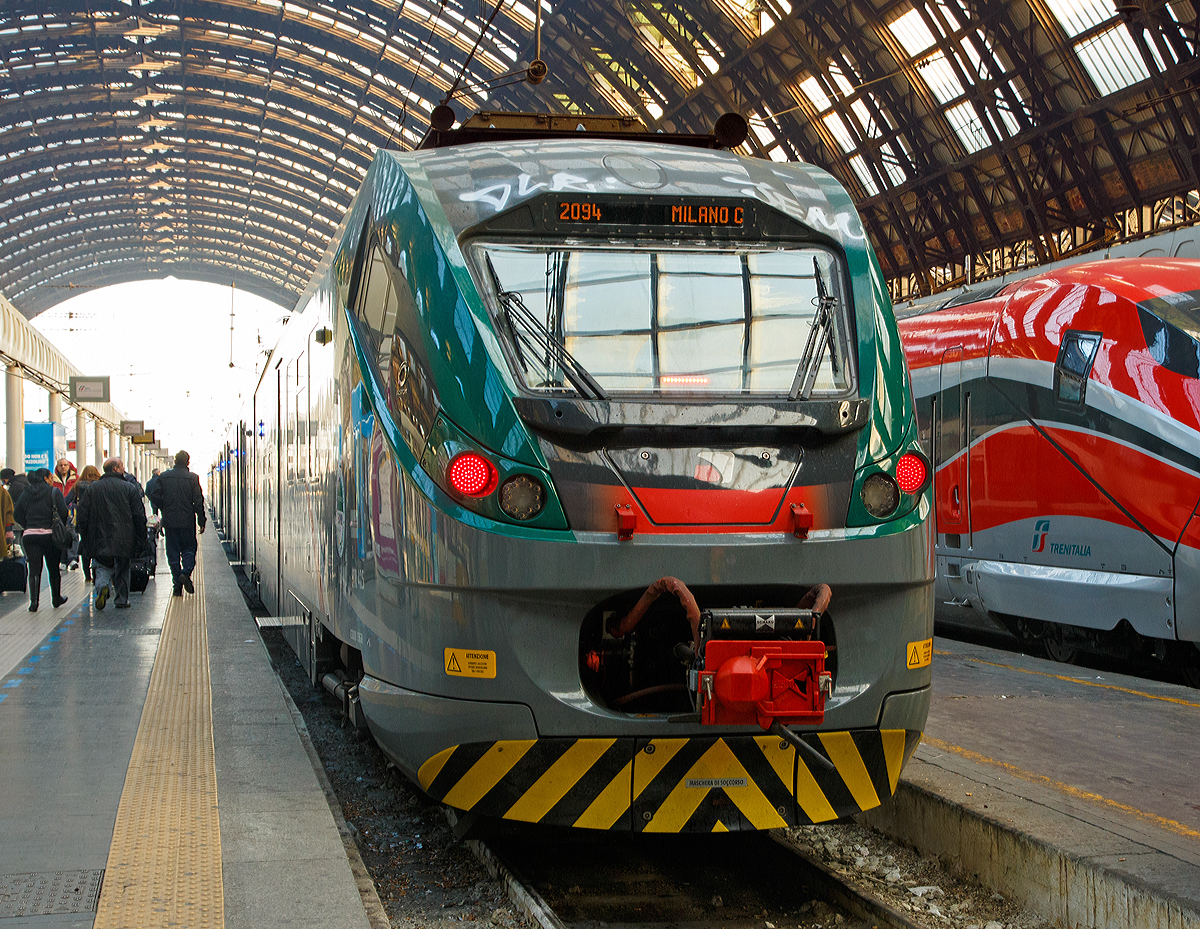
(472, 475)
(911, 471)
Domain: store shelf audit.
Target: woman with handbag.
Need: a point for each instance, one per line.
(38, 509)
(87, 476)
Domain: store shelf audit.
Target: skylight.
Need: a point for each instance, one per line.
(1108, 54)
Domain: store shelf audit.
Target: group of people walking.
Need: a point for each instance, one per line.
(107, 511)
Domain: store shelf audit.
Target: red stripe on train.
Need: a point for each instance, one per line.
(1017, 474)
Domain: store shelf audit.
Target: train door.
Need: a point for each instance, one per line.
(255, 485)
(952, 493)
(950, 486)
(277, 499)
(243, 476)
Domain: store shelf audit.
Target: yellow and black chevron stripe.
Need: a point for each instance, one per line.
(701, 784)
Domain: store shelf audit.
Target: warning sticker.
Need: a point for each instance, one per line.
(467, 662)
(920, 653)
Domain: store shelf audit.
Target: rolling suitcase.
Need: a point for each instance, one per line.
(14, 574)
(153, 528)
(139, 576)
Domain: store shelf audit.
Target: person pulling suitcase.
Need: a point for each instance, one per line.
(113, 521)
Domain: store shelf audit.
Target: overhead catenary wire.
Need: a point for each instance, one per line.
(416, 72)
(474, 48)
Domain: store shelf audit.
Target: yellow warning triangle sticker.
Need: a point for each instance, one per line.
(452, 665)
(799, 624)
(914, 657)
(725, 624)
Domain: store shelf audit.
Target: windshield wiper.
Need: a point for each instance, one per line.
(528, 332)
(820, 341)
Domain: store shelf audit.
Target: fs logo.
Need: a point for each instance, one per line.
(1040, 531)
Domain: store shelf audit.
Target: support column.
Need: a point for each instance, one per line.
(98, 431)
(14, 413)
(114, 449)
(80, 440)
(54, 407)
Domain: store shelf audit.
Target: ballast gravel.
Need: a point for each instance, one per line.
(428, 879)
(919, 887)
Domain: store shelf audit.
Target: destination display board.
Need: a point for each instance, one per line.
(592, 213)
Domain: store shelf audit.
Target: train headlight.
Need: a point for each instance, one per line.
(911, 472)
(880, 495)
(472, 475)
(522, 497)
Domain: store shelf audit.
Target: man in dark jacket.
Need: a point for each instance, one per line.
(112, 520)
(150, 485)
(181, 501)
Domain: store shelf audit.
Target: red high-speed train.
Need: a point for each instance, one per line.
(1062, 414)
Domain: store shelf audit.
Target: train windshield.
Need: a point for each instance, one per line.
(1180, 310)
(725, 320)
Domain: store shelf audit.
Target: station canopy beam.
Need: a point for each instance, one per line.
(222, 141)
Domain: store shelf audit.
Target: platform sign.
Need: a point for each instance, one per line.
(88, 389)
(133, 426)
(146, 438)
(45, 444)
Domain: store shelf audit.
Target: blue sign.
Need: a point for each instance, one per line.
(45, 444)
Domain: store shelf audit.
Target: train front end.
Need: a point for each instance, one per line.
(632, 503)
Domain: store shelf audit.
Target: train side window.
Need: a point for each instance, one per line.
(377, 304)
(390, 320)
(1172, 346)
(1075, 359)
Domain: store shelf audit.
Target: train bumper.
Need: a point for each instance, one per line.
(702, 784)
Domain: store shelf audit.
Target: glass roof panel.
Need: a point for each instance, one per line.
(940, 77)
(1078, 16)
(968, 127)
(1112, 60)
(864, 174)
(837, 128)
(816, 94)
(910, 30)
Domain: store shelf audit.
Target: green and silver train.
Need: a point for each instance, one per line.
(587, 474)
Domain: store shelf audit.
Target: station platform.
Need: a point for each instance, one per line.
(1069, 790)
(152, 772)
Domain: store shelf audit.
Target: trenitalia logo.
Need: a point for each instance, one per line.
(1040, 531)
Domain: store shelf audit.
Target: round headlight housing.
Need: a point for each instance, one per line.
(880, 495)
(522, 497)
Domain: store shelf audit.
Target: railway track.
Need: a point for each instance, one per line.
(576, 880)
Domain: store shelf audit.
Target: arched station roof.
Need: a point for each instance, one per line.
(221, 140)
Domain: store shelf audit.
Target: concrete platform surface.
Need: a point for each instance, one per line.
(73, 682)
(1070, 790)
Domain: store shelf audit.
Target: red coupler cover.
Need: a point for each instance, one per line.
(746, 683)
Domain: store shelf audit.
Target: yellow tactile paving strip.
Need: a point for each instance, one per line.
(164, 866)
